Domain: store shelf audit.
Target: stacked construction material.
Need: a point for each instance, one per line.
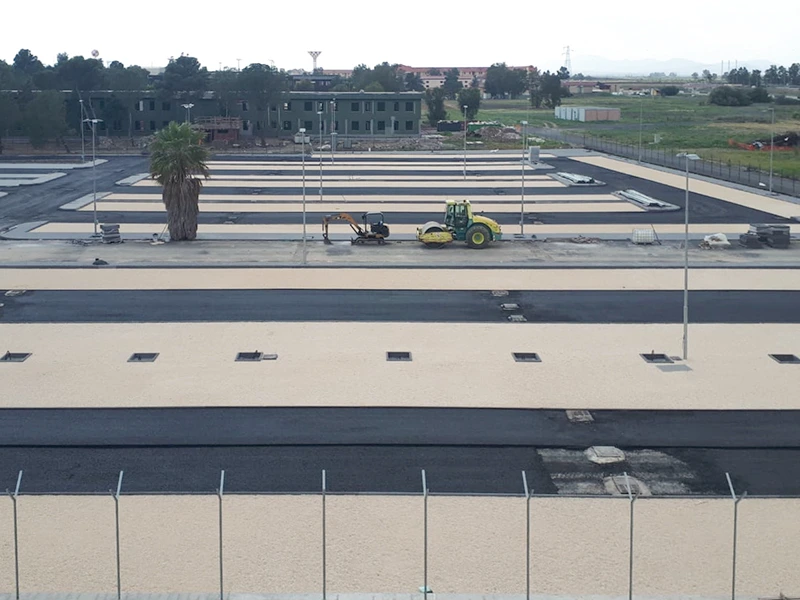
(775, 236)
(110, 233)
(779, 236)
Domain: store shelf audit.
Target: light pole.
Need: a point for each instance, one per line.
(771, 146)
(188, 108)
(83, 144)
(333, 126)
(94, 123)
(641, 119)
(522, 199)
(303, 142)
(319, 112)
(688, 157)
(465, 142)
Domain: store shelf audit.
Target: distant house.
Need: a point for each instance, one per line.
(587, 113)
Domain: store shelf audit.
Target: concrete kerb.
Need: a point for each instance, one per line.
(50, 166)
(335, 596)
(79, 203)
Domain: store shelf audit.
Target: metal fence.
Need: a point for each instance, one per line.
(324, 543)
(731, 171)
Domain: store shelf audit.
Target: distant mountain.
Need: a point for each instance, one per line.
(602, 67)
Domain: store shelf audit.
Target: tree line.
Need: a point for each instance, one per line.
(775, 75)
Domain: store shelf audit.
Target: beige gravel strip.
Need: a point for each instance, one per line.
(583, 366)
(336, 177)
(622, 229)
(434, 208)
(398, 279)
(398, 185)
(713, 190)
(377, 198)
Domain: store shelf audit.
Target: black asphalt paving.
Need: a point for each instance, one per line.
(345, 426)
(151, 306)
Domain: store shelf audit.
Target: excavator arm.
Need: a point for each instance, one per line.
(327, 219)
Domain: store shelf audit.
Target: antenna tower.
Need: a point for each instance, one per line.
(314, 54)
(567, 59)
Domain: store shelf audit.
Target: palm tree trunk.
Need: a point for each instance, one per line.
(181, 201)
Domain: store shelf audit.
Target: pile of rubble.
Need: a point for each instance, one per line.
(504, 134)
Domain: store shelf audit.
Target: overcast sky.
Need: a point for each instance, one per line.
(412, 32)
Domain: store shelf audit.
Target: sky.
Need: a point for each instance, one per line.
(409, 32)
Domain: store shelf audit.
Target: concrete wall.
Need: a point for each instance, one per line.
(273, 544)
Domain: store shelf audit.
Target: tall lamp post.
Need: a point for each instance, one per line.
(522, 199)
(94, 123)
(188, 108)
(641, 119)
(319, 112)
(771, 146)
(465, 142)
(303, 142)
(689, 157)
(83, 143)
(333, 127)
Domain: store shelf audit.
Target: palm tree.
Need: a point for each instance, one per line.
(177, 159)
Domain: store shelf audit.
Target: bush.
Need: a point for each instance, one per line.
(759, 95)
(727, 96)
(670, 90)
(787, 101)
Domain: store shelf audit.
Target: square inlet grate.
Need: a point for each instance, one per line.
(785, 359)
(398, 356)
(656, 358)
(526, 357)
(143, 357)
(15, 356)
(517, 318)
(249, 356)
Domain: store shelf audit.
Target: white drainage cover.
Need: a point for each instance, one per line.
(517, 318)
(580, 416)
(499, 293)
(605, 455)
(618, 486)
(12, 293)
(509, 306)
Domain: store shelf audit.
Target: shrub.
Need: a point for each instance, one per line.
(781, 99)
(670, 90)
(727, 96)
(758, 95)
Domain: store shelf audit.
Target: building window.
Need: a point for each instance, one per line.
(354, 106)
(308, 106)
(273, 124)
(287, 125)
(152, 125)
(287, 106)
(367, 106)
(354, 125)
(152, 104)
(166, 106)
(409, 125)
(309, 125)
(245, 125)
(409, 107)
(381, 125)
(396, 107)
(137, 125)
(381, 106)
(367, 125)
(245, 108)
(395, 124)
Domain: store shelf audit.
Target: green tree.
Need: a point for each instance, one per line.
(563, 73)
(471, 98)
(551, 90)
(44, 118)
(728, 96)
(695, 76)
(374, 86)
(434, 72)
(670, 90)
(413, 83)
(495, 81)
(129, 79)
(434, 100)
(451, 84)
(225, 85)
(78, 73)
(177, 162)
(707, 75)
(9, 116)
(26, 63)
(759, 95)
(184, 77)
(264, 86)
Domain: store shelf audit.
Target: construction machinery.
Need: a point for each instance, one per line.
(462, 225)
(374, 228)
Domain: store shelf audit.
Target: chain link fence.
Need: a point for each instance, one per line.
(730, 171)
(330, 543)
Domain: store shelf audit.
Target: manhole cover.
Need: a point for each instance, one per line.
(605, 455)
(580, 416)
(509, 306)
(517, 318)
(499, 293)
(11, 293)
(618, 486)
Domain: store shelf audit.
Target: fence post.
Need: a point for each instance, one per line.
(735, 532)
(220, 493)
(527, 536)
(425, 590)
(324, 538)
(632, 498)
(16, 535)
(116, 532)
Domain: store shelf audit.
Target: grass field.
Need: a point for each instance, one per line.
(680, 122)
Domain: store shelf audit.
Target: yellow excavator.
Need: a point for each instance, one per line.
(373, 230)
(460, 224)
